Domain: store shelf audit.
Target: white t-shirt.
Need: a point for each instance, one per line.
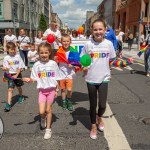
(69, 73)
(46, 74)
(23, 41)
(121, 35)
(55, 44)
(100, 53)
(11, 38)
(13, 63)
(32, 56)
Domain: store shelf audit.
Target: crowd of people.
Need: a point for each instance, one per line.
(51, 75)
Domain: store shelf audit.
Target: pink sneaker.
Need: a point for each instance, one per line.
(101, 127)
(93, 135)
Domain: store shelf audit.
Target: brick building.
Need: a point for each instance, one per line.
(133, 15)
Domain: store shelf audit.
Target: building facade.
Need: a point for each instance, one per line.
(22, 13)
(133, 15)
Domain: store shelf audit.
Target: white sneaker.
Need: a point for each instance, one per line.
(43, 123)
(48, 134)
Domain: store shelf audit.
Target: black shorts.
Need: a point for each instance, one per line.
(16, 82)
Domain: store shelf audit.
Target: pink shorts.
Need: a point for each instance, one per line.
(46, 95)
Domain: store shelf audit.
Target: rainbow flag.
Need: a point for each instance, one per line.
(120, 63)
(7, 77)
(142, 50)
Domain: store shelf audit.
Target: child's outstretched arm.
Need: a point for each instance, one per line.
(28, 80)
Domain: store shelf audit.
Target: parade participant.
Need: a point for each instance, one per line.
(69, 72)
(74, 35)
(46, 73)
(110, 35)
(57, 35)
(130, 39)
(24, 42)
(13, 64)
(147, 54)
(32, 55)
(38, 39)
(98, 73)
(9, 38)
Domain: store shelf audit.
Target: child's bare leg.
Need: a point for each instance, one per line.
(19, 90)
(42, 107)
(10, 90)
(49, 115)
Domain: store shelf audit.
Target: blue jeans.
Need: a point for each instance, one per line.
(24, 56)
(148, 62)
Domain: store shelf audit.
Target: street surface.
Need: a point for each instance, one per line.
(128, 105)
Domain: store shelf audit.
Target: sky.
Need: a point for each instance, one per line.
(73, 12)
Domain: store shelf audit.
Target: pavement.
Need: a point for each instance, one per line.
(132, 53)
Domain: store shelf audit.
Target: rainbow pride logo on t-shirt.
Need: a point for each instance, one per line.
(99, 55)
(11, 63)
(46, 74)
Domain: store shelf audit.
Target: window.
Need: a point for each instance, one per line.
(1, 9)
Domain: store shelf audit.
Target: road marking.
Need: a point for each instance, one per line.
(113, 133)
(117, 68)
(140, 64)
(128, 68)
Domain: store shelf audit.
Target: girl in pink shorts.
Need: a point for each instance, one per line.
(46, 73)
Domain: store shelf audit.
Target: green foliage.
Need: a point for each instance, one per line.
(42, 23)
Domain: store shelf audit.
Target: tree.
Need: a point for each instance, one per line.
(42, 23)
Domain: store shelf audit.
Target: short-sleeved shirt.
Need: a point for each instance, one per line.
(13, 63)
(11, 38)
(24, 40)
(55, 44)
(46, 74)
(100, 53)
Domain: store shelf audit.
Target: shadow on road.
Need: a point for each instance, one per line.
(76, 97)
(138, 72)
(82, 115)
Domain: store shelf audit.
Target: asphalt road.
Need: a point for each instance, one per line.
(129, 101)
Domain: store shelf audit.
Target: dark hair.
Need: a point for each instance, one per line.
(32, 44)
(11, 45)
(99, 20)
(48, 46)
(75, 32)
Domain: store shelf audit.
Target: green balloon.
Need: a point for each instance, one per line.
(85, 60)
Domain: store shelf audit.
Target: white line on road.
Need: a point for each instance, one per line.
(140, 64)
(114, 134)
(117, 68)
(128, 68)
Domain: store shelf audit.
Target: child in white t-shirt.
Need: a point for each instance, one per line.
(98, 73)
(32, 56)
(68, 70)
(13, 64)
(46, 73)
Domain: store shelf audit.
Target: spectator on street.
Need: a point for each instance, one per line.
(10, 37)
(130, 39)
(97, 75)
(142, 39)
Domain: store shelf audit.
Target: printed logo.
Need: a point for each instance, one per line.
(46, 74)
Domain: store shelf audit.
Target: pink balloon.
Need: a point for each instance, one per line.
(50, 38)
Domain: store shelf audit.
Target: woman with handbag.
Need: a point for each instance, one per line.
(24, 42)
